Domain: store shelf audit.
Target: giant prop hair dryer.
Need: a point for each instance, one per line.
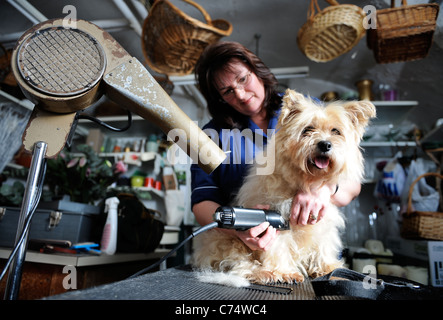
(64, 70)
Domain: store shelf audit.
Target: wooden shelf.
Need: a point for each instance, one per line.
(395, 103)
(143, 156)
(81, 260)
(392, 112)
(376, 144)
(160, 193)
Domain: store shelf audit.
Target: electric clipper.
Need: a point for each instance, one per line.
(240, 218)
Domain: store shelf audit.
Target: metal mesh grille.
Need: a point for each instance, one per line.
(61, 61)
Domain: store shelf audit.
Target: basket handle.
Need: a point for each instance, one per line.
(202, 10)
(403, 3)
(411, 188)
(332, 2)
(314, 5)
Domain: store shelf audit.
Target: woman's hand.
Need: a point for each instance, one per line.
(260, 237)
(310, 207)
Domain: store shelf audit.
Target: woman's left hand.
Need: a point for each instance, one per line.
(310, 208)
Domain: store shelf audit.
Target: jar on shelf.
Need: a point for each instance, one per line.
(152, 144)
(365, 89)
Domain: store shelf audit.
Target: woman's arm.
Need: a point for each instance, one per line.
(311, 207)
(204, 211)
(346, 192)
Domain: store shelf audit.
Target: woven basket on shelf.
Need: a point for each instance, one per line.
(422, 224)
(404, 33)
(173, 41)
(331, 32)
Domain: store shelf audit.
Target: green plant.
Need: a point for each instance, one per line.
(12, 194)
(84, 178)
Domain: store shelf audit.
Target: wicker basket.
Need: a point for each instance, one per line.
(331, 32)
(172, 41)
(6, 75)
(422, 224)
(404, 33)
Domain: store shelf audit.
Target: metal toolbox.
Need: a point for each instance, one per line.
(48, 224)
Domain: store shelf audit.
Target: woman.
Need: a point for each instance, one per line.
(241, 95)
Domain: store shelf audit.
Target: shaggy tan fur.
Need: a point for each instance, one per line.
(301, 165)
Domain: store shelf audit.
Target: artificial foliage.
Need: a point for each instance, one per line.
(83, 175)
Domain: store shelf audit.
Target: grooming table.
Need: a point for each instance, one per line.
(181, 284)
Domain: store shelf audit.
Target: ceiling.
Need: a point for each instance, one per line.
(268, 28)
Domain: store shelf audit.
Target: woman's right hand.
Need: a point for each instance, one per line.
(260, 237)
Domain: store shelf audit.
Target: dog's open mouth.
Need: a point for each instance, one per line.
(321, 162)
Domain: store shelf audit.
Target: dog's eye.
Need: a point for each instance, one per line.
(307, 130)
(335, 131)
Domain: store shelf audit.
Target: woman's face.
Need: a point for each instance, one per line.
(241, 88)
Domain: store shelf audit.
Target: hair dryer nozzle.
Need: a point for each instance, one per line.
(133, 86)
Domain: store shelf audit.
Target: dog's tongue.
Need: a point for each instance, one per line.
(321, 162)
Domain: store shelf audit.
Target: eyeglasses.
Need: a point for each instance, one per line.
(242, 82)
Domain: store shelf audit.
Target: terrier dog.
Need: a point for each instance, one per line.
(315, 145)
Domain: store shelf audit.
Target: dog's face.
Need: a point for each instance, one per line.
(322, 142)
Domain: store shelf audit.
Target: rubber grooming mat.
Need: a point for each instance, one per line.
(182, 284)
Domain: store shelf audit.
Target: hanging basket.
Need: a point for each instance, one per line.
(422, 224)
(404, 33)
(331, 32)
(6, 75)
(172, 41)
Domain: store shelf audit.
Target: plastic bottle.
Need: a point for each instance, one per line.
(152, 145)
(169, 178)
(108, 243)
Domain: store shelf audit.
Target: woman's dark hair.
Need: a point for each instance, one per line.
(215, 58)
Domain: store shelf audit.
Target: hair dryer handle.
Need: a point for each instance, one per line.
(131, 85)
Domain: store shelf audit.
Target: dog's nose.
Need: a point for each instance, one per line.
(325, 146)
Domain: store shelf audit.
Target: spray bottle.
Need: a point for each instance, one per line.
(109, 237)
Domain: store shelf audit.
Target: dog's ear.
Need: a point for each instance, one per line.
(360, 113)
(293, 103)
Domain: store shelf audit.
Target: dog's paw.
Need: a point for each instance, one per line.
(291, 277)
(325, 269)
(266, 277)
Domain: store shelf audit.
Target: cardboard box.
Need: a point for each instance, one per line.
(429, 251)
(417, 249)
(435, 251)
(95, 139)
